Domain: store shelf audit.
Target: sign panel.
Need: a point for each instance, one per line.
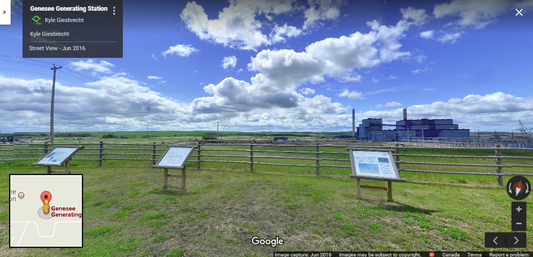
(175, 157)
(374, 164)
(57, 156)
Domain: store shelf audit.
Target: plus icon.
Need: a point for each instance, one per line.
(518, 209)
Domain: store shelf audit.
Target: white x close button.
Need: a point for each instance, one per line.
(519, 12)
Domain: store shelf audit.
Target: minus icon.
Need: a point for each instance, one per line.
(519, 223)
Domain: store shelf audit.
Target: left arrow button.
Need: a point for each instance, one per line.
(494, 240)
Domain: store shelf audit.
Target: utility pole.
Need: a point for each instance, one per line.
(52, 109)
(148, 122)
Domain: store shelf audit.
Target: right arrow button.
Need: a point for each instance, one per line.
(515, 240)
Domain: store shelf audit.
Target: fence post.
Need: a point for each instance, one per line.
(101, 153)
(317, 161)
(499, 162)
(251, 157)
(153, 156)
(397, 157)
(199, 154)
(45, 147)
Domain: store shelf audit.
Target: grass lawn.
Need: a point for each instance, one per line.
(127, 213)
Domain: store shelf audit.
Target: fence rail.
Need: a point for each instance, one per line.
(115, 150)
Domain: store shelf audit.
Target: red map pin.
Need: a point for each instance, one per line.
(46, 195)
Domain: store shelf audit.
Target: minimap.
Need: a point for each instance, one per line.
(45, 210)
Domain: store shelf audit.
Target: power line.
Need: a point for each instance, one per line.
(15, 59)
(71, 72)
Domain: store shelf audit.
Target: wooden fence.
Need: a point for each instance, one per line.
(109, 151)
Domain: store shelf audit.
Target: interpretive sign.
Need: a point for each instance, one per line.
(174, 158)
(374, 164)
(57, 156)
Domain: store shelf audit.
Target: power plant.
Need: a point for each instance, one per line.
(372, 129)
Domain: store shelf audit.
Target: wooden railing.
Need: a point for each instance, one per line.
(252, 152)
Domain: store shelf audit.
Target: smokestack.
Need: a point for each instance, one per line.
(404, 114)
(353, 123)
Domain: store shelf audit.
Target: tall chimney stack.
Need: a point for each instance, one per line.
(353, 123)
(404, 114)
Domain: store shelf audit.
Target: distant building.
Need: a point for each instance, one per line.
(281, 139)
(341, 137)
(372, 129)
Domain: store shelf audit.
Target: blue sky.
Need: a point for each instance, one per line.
(283, 66)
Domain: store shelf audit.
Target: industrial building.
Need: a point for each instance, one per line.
(372, 129)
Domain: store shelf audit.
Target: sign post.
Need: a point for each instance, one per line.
(57, 157)
(174, 158)
(374, 165)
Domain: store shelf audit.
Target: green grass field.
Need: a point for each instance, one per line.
(127, 213)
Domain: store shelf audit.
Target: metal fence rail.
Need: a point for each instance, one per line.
(113, 151)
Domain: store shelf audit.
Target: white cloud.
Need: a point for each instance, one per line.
(333, 57)
(445, 36)
(119, 103)
(281, 72)
(419, 16)
(393, 104)
(351, 95)
(102, 67)
(153, 56)
(111, 103)
(392, 77)
(236, 25)
(307, 91)
(232, 96)
(154, 77)
(375, 80)
(278, 33)
(452, 38)
(496, 111)
(490, 105)
(321, 10)
(420, 70)
(390, 89)
(429, 89)
(420, 58)
(229, 62)
(378, 105)
(476, 13)
(181, 50)
(525, 4)
(427, 34)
